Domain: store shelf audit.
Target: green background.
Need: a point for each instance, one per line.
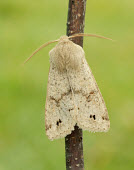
(24, 26)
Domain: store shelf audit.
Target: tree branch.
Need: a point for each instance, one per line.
(74, 141)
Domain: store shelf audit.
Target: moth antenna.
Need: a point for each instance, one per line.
(88, 35)
(38, 49)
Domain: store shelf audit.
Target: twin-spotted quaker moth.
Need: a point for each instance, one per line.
(73, 96)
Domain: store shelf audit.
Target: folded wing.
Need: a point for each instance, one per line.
(60, 116)
(92, 113)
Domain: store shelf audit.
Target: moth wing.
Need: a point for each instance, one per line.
(92, 113)
(59, 109)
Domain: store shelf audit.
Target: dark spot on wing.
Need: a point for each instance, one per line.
(88, 98)
(92, 92)
(105, 118)
(48, 127)
(94, 117)
(70, 109)
(58, 122)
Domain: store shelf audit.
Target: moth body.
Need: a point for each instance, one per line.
(73, 96)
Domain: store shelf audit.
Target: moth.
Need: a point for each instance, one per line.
(73, 96)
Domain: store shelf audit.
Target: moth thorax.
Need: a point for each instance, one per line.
(66, 56)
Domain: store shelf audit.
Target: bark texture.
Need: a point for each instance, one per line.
(74, 141)
(76, 19)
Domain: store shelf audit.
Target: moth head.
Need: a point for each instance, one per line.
(65, 39)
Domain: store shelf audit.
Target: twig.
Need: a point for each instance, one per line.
(74, 141)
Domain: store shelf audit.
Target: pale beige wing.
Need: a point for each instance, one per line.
(59, 109)
(92, 113)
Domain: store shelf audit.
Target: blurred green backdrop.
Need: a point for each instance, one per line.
(25, 25)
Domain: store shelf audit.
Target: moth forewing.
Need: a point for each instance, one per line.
(60, 113)
(59, 119)
(92, 112)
